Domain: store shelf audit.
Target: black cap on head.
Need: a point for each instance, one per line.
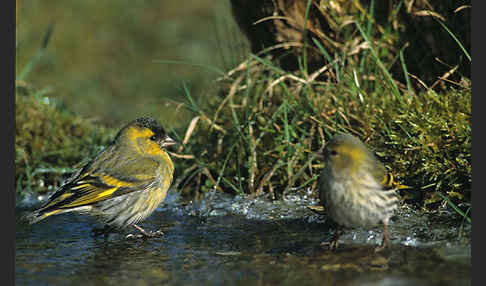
(150, 123)
(144, 122)
(159, 132)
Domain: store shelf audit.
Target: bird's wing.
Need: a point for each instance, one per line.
(388, 182)
(90, 185)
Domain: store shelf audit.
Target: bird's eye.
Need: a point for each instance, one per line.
(153, 138)
(333, 153)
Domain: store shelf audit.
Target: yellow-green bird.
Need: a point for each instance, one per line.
(123, 184)
(355, 188)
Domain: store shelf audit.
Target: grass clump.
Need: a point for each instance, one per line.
(265, 123)
(269, 122)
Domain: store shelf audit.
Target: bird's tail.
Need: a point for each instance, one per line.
(390, 183)
(38, 215)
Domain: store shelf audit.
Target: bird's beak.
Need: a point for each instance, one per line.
(167, 141)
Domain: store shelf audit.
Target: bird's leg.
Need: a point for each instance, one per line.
(145, 233)
(385, 242)
(105, 231)
(334, 242)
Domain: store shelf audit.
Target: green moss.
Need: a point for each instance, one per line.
(49, 140)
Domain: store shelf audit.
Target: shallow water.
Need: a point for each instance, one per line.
(224, 240)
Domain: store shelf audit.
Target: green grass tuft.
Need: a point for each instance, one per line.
(258, 133)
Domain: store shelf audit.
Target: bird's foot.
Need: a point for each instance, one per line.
(145, 233)
(384, 244)
(334, 242)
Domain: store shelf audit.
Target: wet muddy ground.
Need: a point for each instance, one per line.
(223, 240)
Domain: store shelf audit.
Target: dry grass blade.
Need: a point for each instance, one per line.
(213, 124)
(299, 173)
(213, 181)
(419, 80)
(274, 18)
(356, 49)
(344, 117)
(318, 72)
(233, 89)
(181, 156)
(182, 178)
(253, 160)
(241, 67)
(189, 131)
(267, 176)
(280, 79)
(425, 13)
(462, 8)
(285, 45)
(445, 76)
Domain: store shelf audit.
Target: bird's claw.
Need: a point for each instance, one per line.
(145, 233)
